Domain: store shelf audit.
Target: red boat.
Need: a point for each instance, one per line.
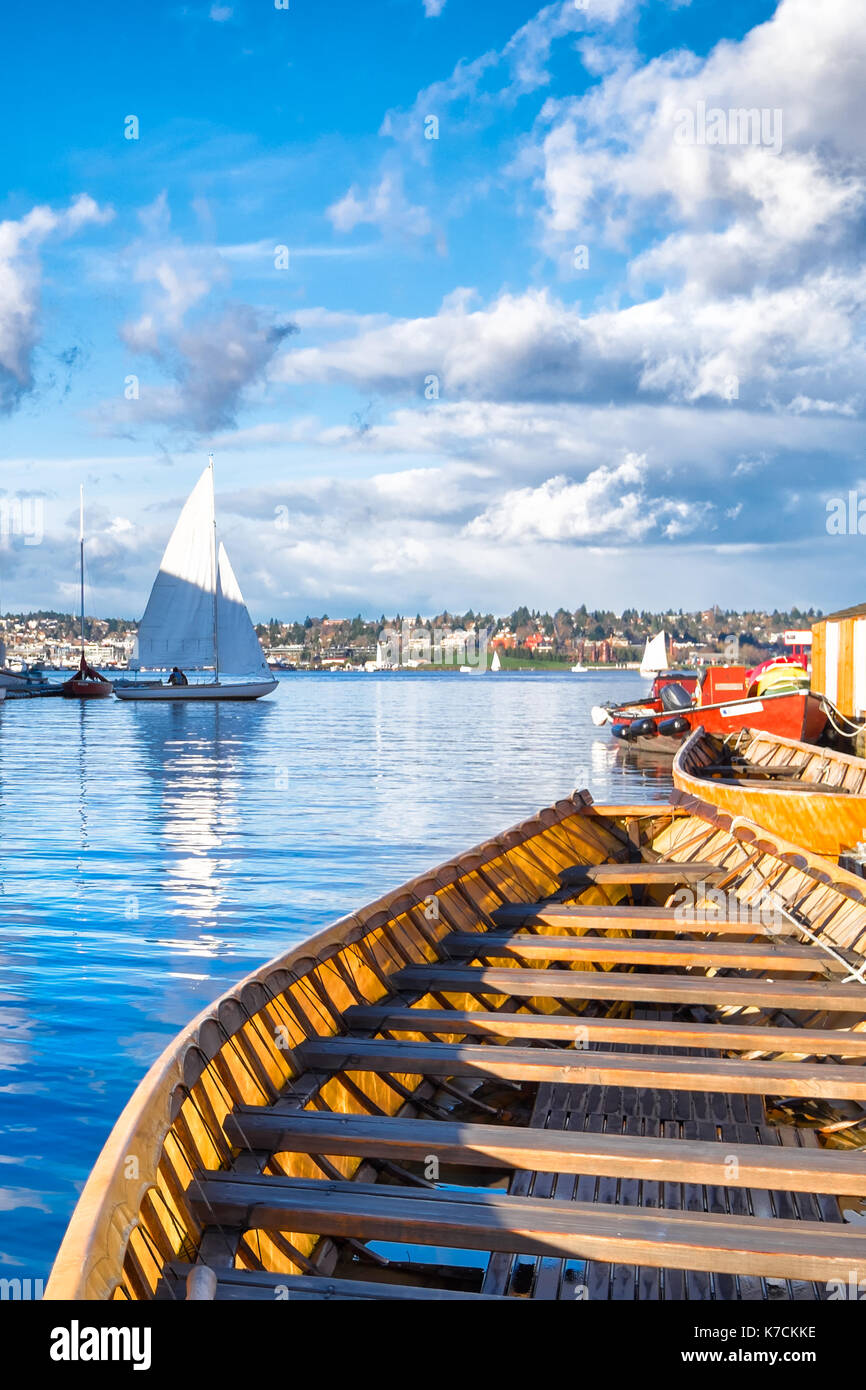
(86, 684)
(660, 724)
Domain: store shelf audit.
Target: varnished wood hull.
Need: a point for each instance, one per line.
(214, 1180)
(826, 821)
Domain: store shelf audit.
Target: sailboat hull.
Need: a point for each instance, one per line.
(87, 690)
(240, 690)
(10, 680)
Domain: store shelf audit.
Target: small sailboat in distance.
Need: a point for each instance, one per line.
(86, 684)
(196, 618)
(655, 657)
(496, 664)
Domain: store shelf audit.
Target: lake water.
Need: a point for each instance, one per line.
(151, 855)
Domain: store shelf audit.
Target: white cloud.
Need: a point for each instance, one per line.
(433, 8)
(762, 349)
(497, 78)
(385, 206)
(609, 505)
(213, 350)
(20, 284)
(746, 214)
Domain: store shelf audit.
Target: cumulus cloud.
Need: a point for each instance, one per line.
(747, 285)
(212, 349)
(453, 492)
(385, 206)
(20, 285)
(610, 504)
(733, 213)
(763, 349)
(733, 353)
(433, 8)
(214, 362)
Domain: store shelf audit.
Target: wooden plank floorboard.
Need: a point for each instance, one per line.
(665, 871)
(707, 955)
(724, 1036)
(571, 1066)
(518, 982)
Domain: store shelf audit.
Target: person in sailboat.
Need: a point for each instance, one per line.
(177, 677)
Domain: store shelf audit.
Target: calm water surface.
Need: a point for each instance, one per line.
(152, 855)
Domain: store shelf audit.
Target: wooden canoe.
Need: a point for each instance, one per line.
(403, 1108)
(816, 796)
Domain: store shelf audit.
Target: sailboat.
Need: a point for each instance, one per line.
(496, 664)
(655, 657)
(86, 684)
(196, 618)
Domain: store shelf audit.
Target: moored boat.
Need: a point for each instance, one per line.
(789, 714)
(13, 680)
(816, 796)
(87, 683)
(779, 702)
(655, 657)
(348, 1116)
(196, 619)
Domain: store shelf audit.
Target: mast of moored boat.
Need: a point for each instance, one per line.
(81, 558)
(215, 577)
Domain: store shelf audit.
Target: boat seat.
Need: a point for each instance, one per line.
(261, 1286)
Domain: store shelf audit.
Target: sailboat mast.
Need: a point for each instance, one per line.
(81, 559)
(215, 573)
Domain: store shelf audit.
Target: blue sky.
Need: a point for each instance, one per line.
(438, 400)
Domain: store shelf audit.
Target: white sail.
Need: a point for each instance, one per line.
(496, 664)
(178, 624)
(240, 650)
(655, 657)
(177, 627)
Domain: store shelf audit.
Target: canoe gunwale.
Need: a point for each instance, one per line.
(831, 819)
(90, 1262)
(80, 1271)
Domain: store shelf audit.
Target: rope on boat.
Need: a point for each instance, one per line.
(858, 975)
(830, 710)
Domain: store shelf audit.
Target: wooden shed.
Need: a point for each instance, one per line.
(839, 659)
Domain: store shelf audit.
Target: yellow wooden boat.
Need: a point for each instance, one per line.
(816, 796)
(545, 1069)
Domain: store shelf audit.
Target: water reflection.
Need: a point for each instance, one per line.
(153, 854)
(197, 758)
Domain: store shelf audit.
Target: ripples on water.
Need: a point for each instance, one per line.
(153, 854)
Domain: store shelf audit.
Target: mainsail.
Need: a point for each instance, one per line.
(178, 624)
(655, 657)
